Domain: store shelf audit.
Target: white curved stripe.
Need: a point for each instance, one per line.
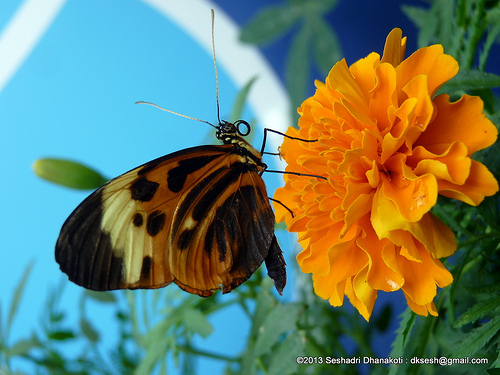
(268, 98)
(23, 32)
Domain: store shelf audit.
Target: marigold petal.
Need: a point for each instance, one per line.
(344, 83)
(373, 175)
(397, 136)
(298, 224)
(345, 258)
(395, 47)
(412, 197)
(383, 272)
(422, 278)
(423, 310)
(329, 203)
(408, 245)
(361, 295)
(281, 213)
(363, 70)
(313, 261)
(452, 165)
(429, 230)
(353, 192)
(462, 121)
(359, 208)
(481, 183)
(383, 99)
(327, 287)
(423, 112)
(430, 61)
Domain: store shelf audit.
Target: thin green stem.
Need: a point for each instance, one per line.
(205, 353)
(476, 239)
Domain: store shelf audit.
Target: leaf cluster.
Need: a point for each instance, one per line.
(468, 30)
(157, 327)
(313, 41)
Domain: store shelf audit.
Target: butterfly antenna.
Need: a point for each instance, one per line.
(215, 67)
(175, 113)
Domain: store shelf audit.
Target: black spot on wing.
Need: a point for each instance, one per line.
(143, 190)
(155, 222)
(209, 238)
(146, 268)
(138, 220)
(185, 238)
(177, 176)
(220, 237)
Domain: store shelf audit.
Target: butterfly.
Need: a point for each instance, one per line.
(198, 217)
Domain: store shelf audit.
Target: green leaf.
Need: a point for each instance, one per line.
(403, 332)
(493, 18)
(241, 100)
(197, 322)
(423, 19)
(471, 80)
(23, 347)
(68, 173)
(269, 24)
(61, 335)
(326, 45)
(436, 25)
(496, 364)
(488, 290)
(279, 320)
(297, 69)
(477, 338)
(478, 311)
(104, 297)
(156, 342)
(284, 358)
(265, 302)
(88, 330)
(18, 292)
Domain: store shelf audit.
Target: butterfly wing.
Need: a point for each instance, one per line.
(199, 217)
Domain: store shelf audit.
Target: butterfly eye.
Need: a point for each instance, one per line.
(238, 129)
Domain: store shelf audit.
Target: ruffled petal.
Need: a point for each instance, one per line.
(462, 121)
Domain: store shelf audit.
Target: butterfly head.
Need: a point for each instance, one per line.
(230, 133)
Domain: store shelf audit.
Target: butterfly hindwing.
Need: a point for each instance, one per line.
(199, 217)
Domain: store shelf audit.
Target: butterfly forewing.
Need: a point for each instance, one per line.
(199, 217)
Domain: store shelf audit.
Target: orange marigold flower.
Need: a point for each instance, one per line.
(387, 147)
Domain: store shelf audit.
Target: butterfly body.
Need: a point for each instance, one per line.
(199, 217)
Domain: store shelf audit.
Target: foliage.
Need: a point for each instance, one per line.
(314, 37)
(154, 328)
